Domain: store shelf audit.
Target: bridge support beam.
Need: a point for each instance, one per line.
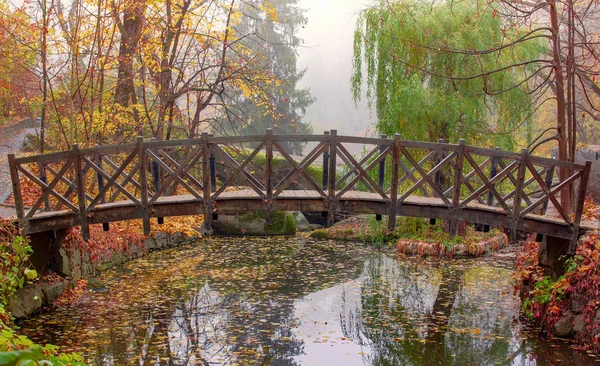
(45, 246)
(552, 255)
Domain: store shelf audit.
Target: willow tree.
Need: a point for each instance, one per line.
(445, 70)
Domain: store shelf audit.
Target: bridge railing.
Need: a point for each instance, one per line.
(199, 172)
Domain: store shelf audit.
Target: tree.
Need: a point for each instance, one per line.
(570, 68)
(563, 76)
(435, 70)
(271, 27)
(18, 84)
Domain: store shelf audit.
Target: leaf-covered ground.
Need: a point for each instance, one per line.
(297, 301)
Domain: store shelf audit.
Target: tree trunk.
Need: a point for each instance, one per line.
(131, 31)
(565, 194)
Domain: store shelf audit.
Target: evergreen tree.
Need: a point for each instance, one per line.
(271, 27)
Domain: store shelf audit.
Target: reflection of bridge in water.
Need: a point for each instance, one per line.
(394, 177)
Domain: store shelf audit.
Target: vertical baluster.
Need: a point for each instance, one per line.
(518, 194)
(438, 177)
(394, 183)
(579, 207)
(332, 173)
(43, 178)
(326, 166)
(156, 177)
(325, 171)
(83, 221)
(269, 174)
(548, 181)
(381, 172)
(490, 197)
(16, 185)
(100, 179)
(144, 185)
(458, 176)
(206, 183)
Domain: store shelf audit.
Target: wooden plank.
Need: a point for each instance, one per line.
(174, 176)
(141, 155)
(301, 138)
(547, 196)
(487, 184)
(425, 177)
(332, 172)
(516, 216)
(112, 180)
(453, 227)
(299, 169)
(208, 202)
(236, 139)
(47, 158)
(197, 153)
(49, 187)
(364, 172)
(364, 140)
(394, 184)
(16, 186)
(108, 149)
(579, 207)
(269, 176)
(83, 222)
(355, 167)
(236, 172)
(254, 183)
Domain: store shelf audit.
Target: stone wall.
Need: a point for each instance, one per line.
(74, 264)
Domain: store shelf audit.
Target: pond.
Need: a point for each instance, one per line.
(297, 301)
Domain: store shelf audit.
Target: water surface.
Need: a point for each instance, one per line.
(285, 301)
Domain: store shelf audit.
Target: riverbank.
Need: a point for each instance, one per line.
(78, 259)
(567, 306)
(299, 300)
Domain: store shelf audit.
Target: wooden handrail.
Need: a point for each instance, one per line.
(455, 178)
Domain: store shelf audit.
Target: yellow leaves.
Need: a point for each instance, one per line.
(270, 11)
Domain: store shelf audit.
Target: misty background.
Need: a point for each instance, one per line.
(327, 58)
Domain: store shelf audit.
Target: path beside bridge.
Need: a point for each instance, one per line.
(11, 141)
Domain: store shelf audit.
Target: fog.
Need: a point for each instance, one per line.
(327, 57)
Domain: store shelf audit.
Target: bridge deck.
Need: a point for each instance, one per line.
(147, 179)
(233, 202)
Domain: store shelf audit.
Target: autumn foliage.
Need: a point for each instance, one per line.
(546, 301)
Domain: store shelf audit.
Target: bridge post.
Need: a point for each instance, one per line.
(453, 225)
(394, 183)
(579, 207)
(206, 184)
(490, 197)
(85, 229)
(326, 165)
(381, 172)
(438, 177)
(156, 181)
(548, 181)
(143, 184)
(16, 185)
(269, 174)
(43, 178)
(332, 177)
(100, 179)
(516, 214)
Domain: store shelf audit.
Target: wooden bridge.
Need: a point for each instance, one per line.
(224, 175)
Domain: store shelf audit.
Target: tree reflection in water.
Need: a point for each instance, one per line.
(293, 302)
(444, 314)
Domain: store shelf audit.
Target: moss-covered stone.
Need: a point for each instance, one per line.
(255, 223)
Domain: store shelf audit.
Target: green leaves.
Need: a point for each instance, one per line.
(443, 71)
